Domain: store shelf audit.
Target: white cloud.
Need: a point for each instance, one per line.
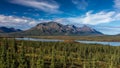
(81, 4)
(94, 18)
(18, 22)
(45, 5)
(110, 30)
(117, 4)
(62, 21)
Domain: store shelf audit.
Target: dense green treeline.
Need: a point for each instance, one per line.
(29, 54)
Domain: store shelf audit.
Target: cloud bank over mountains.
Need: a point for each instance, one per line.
(94, 18)
(16, 21)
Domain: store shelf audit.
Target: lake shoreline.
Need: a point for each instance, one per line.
(85, 38)
(77, 41)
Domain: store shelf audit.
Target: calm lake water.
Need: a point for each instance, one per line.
(103, 43)
(57, 40)
(42, 40)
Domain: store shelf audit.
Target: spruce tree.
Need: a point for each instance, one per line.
(40, 61)
(22, 59)
(53, 58)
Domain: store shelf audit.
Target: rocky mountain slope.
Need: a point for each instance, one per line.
(54, 28)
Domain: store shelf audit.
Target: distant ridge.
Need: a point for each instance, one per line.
(55, 29)
(8, 30)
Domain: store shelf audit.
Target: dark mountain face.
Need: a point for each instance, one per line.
(54, 28)
(49, 25)
(8, 30)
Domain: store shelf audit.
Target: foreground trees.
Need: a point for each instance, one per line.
(28, 54)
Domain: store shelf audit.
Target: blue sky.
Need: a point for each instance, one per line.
(103, 15)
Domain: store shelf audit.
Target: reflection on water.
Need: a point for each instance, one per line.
(56, 40)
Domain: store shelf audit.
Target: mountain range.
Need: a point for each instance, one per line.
(54, 28)
(8, 30)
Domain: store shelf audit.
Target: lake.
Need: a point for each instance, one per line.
(42, 40)
(57, 40)
(99, 42)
